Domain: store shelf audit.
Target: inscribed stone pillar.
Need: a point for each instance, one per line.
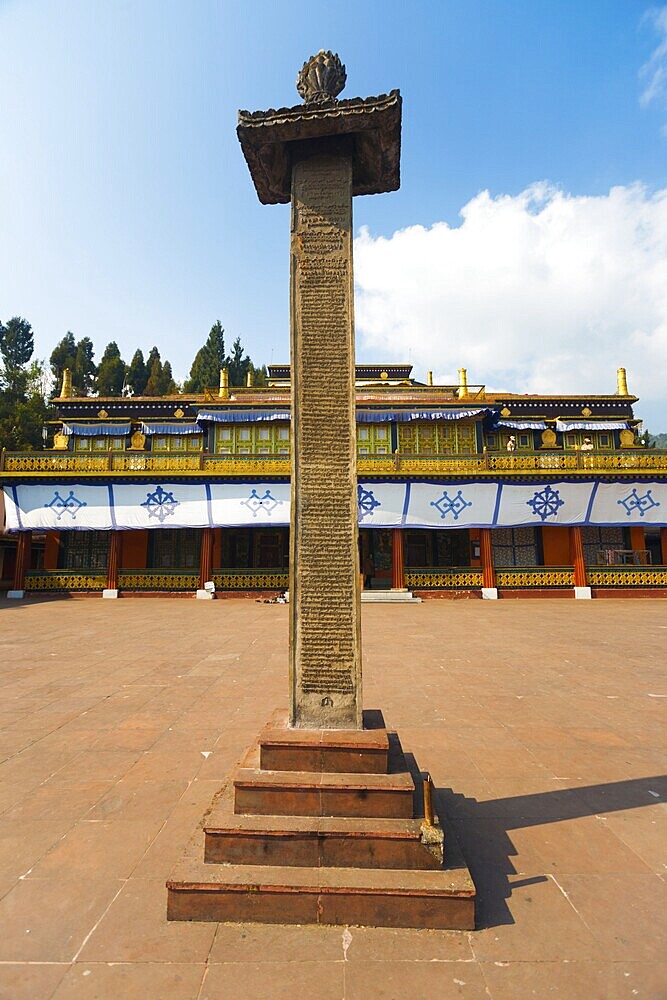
(318, 156)
(325, 634)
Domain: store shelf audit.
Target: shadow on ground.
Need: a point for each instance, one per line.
(483, 830)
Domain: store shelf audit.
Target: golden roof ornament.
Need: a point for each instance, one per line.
(321, 79)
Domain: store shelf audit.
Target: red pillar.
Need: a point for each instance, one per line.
(23, 547)
(397, 566)
(206, 558)
(577, 557)
(114, 561)
(663, 545)
(486, 559)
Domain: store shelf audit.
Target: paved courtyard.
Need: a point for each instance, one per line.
(543, 726)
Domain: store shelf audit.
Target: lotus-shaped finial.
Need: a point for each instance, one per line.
(322, 78)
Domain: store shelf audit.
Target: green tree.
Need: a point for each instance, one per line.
(22, 406)
(167, 385)
(137, 375)
(154, 368)
(205, 370)
(259, 375)
(16, 343)
(84, 371)
(63, 356)
(239, 364)
(111, 372)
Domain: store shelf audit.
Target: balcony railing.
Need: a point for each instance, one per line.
(523, 463)
(627, 576)
(534, 577)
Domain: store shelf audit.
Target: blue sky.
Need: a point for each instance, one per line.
(127, 211)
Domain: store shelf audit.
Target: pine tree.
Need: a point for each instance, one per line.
(167, 385)
(63, 356)
(205, 371)
(16, 347)
(137, 375)
(239, 364)
(22, 406)
(154, 368)
(85, 370)
(111, 372)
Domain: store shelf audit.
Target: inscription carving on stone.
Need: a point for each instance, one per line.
(324, 588)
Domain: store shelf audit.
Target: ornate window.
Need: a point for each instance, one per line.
(449, 437)
(174, 548)
(178, 443)
(253, 439)
(373, 439)
(98, 444)
(83, 550)
(515, 547)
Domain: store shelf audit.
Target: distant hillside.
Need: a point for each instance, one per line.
(660, 440)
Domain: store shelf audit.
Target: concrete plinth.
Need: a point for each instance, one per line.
(489, 593)
(323, 826)
(110, 594)
(582, 593)
(15, 595)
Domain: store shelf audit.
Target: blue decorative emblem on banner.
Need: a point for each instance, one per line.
(451, 505)
(641, 504)
(71, 504)
(545, 503)
(255, 503)
(366, 502)
(160, 504)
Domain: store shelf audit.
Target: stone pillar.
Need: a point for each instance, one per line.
(23, 549)
(581, 589)
(397, 560)
(317, 156)
(113, 564)
(489, 589)
(325, 634)
(205, 563)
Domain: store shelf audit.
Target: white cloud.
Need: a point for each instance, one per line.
(654, 70)
(538, 292)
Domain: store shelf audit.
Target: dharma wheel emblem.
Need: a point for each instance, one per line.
(321, 78)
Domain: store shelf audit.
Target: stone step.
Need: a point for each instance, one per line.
(314, 841)
(441, 899)
(305, 793)
(363, 751)
(389, 597)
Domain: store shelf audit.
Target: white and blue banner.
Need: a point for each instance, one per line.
(390, 504)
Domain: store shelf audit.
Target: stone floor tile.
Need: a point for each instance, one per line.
(24, 842)
(131, 981)
(138, 800)
(110, 847)
(56, 799)
(136, 929)
(417, 980)
(23, 981)
(390, 944)
(624, 912)
(585, 845)
(643, 830)
(574, 980)
(274, 981)
(535, 922)
(257, 943)
(47, 920)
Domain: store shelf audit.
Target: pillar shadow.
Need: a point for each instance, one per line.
(483, 830)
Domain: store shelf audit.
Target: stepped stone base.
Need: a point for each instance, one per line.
(323, 827)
